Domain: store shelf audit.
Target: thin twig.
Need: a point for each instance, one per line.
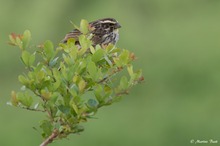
(51, 138)
(32, 109)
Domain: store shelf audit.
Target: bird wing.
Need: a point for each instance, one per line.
(73, 34)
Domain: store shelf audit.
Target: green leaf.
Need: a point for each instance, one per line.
(92, 49)
(117, 61)
(81, 85)
(81, 66)
(12, 39)
(92, 69)
(98, 92)
(116, 50)
(39, 67)
(97, 47)
(49, 49)
(23, 80)
(57, 77)
(124, 57)
(130, 70)
(67, 59)
(14, 100)
(36, 105)
(74, 106)
(108, 60)
(52, 107)
(40, 75)
(25, 99)
(73, 52)
(53, 62)
(108, 91)
(85, 44)
(25, 56)
(18, 42)
(71, 42)
(64, 109)
(84, 26)
(110, 47)
(46, 127)
(98, 55)
(31, 59)
(54, 98)
(124, 83)
(26, 39)
(92, 103)
(46, 94)
(74, 90)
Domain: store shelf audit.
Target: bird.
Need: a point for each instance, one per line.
(104, 31)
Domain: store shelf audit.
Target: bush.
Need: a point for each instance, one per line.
(69, 84)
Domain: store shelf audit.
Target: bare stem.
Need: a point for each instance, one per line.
(50, 139)
(32, 109)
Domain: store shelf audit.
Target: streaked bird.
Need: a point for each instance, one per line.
(104, 31)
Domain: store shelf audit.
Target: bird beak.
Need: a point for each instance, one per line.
(117, 25)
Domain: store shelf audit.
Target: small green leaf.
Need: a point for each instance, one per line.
(56, 85)
(54, 98)
(117, 61)
(73, 52)
(81, 85)
(108, 91)
(26, 39)
(36, 105)
(130, 70)
(92, 103)
(40, 75)
(108, 60)
(64, 109)
(25, 99)
(12, 39)
(98, 55)
(49, 49)
(25, 56)
(98, 92)
(71, 42)
(53, 109)
(109, 48)
(85, 44)
(74, 106)
(31, 59)
(74, 90)
(53, 62)
(116, 50)
(46, 94)
(67, 59)
(124, 57)
(81, 66)
(46, 127)
(39, 67)
(23, 80)
(14, 100)
(124, 83)
(84, 26)
(92, 69)
(18, 42)
(92, 49)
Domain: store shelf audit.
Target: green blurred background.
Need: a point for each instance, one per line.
(177, 43)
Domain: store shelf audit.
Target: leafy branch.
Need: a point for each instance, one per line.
(69, 84)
